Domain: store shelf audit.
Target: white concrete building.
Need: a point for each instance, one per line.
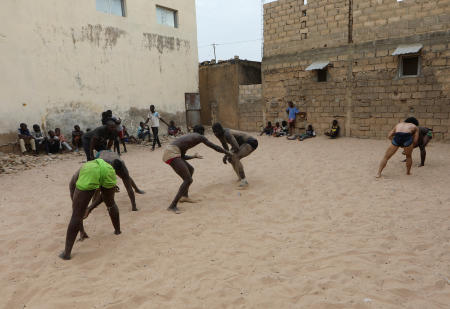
(64, 62)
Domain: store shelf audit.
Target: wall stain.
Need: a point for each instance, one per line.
(161, 43)
(105, 37)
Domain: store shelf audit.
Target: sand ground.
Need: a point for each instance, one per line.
(314, 230)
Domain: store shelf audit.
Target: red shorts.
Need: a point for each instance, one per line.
(170, 161)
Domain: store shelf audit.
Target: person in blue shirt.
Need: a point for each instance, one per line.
(143, 132)
(292, 111)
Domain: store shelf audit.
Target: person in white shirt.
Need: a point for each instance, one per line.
(154, 118)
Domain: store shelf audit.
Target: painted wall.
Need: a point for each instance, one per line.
(63, 63)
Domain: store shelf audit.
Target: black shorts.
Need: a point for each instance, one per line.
(253, 142)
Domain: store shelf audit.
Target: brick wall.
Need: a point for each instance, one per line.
(384, 19)
(363, 91)
(251, 108)
(291, 26)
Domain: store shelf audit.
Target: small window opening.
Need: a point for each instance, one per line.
(304, 36)
(113, 7)
(167, 17)
(304, 13)
(322, 75)
(409, 65)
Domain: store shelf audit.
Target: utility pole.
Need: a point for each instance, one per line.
(214, 47)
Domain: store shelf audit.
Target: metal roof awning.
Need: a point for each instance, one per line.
(408, 49)
(318, 65)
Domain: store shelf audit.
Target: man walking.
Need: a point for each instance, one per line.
(154, 118)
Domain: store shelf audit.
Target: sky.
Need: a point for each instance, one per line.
(235, 25)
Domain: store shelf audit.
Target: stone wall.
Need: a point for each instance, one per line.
(219, 89)
(251, 106)
(364, 90)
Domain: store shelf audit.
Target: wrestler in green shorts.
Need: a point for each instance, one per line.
(96, 174)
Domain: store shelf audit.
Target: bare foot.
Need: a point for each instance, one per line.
(378, 176)
(185, 199)
(243, 184)
(64, 256)
(140, 192)
(175, 210)
(83, 236)
(117, 232)
(134, 209)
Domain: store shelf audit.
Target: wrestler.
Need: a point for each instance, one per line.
(122, 172)
(175, 156)
(93, 175)
(404, 135)
(242, 145)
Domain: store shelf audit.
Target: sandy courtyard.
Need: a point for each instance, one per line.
(314, 230)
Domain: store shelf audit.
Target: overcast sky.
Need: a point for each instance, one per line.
(237, 24)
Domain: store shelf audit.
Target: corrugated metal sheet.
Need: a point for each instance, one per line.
(318, 65)
(407, 49)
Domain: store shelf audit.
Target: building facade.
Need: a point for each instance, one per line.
(367, 63)
(221, 97)
(64, 62)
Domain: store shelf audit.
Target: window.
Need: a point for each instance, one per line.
(304, 13)
(409, 65)
(167, 17)
(304, 36)
(113, 7)
(322, 75)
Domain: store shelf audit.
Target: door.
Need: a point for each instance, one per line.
(192, 109)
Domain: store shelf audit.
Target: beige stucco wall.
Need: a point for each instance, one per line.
(62, 62)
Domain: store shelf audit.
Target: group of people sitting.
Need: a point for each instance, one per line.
(283, 130)
(53, 142)
(277, 130)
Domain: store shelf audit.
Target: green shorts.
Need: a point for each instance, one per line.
(96, 174)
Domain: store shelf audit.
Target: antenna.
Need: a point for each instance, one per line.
(262, 29)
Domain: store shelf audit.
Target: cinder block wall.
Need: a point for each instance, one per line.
(251, 107)
(363, 90)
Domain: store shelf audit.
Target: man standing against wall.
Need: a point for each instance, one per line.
(154, 118)
(292, 111)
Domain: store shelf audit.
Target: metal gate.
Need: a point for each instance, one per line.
(193, 109)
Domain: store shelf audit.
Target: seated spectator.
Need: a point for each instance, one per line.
(334, 131)
(128, 138)
(267, 130)
(53, 143)
(77, 136)
(308, 134)
(173, 130)
(277, 130)
(62, 140)
(25, 138)
(285, 127)
(143, 131)
(40, 139)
